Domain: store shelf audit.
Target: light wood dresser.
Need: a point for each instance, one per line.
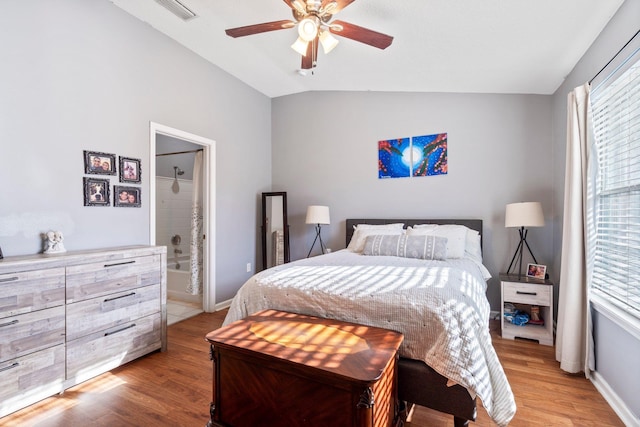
(68, 317)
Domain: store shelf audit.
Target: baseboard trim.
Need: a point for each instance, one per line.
(223, 305)
(617, 404)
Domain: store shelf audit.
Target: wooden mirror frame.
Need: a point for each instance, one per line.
(285, 224)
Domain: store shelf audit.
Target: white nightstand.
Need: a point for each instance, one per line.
(525, 292)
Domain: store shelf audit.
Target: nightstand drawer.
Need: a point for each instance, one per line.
(527, 293)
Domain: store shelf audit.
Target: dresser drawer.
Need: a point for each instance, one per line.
(30, 291)
(88, 281)
(26, 333)
(39, 373)
(527, 293)
(94, 354)
(89, 316)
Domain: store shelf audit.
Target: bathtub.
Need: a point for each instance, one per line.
(177, 280)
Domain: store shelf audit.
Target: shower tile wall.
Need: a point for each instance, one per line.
(173, 215)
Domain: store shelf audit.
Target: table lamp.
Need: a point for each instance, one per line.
(522, 215)
(317, 215)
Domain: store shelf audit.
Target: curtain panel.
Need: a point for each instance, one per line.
(574, 342)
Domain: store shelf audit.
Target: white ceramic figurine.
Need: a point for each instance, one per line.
(54, 242)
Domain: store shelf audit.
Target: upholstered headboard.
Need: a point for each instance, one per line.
(474, 224)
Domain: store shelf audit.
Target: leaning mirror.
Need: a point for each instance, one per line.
(275, 229)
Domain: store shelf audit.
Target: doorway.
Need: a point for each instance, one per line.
(172, 184)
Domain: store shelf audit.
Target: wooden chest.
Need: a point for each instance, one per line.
(283, 369)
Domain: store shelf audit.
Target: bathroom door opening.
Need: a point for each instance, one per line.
(172, 192)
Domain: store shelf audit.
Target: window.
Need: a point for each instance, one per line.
(615, 185)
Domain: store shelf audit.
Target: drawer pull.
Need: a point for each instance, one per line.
(106, 334)
(119, 263)
(121, 296)
(526, 293)
(13, 322)
(9, 279)
(13, 365)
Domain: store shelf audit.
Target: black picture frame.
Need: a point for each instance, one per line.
(96, 192)
(132, 196)
(130, 170)
(97, 163)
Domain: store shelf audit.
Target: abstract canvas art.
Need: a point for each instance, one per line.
(394, 158)
(430, 154)
(416, 156)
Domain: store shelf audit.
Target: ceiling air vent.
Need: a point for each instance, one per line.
(177, 8)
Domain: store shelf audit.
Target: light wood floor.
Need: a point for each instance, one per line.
(174, 389)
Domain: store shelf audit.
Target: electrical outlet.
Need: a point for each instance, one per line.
(248, 267)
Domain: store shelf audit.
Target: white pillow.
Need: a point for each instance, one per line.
(456, 236)
(473, 247)
(356, 244)
(399, 225)
(425, 226)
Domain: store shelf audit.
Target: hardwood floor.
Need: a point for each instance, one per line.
(174, 389)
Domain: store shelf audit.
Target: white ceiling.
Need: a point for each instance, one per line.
(481, 46)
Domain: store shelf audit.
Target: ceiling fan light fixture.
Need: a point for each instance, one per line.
(300, 46)
(308, 29)
(327, 41)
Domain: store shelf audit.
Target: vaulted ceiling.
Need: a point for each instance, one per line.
(475, 46)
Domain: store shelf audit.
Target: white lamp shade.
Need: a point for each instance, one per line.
(318, 215)
(308, 29)
(526, 214)
(328, 41)
(300, 46)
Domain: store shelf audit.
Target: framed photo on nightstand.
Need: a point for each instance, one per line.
(537, 271)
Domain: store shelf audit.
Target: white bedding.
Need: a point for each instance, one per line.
(439, 306)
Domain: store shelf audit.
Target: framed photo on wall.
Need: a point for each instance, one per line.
(537, 271)
(130, 170)
(126, 197)
(99, 163)
(96, 192)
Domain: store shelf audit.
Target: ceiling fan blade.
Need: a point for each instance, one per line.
(260, 28)
(340, 4)
(309, 61)
(361, 34)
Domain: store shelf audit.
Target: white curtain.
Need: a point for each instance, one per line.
(574, 346)
(195, 283)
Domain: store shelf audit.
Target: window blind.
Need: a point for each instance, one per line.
(616, 184)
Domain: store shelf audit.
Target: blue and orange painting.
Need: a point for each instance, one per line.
(429, 155)
(417, 156)
(394, 158)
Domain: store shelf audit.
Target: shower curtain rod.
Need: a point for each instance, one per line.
(614, 56)
(179, 152)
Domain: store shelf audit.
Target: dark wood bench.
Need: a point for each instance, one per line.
(276, 368)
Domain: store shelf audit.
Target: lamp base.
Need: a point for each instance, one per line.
(518, 253)
(323, 248)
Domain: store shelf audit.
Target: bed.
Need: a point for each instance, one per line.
(447, 358)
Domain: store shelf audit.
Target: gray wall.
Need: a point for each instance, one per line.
(620, 372)
(325, 152)
(83, 74)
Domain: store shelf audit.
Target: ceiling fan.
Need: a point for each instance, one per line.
(313, 19)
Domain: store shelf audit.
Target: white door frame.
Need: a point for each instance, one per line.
(209, 203)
